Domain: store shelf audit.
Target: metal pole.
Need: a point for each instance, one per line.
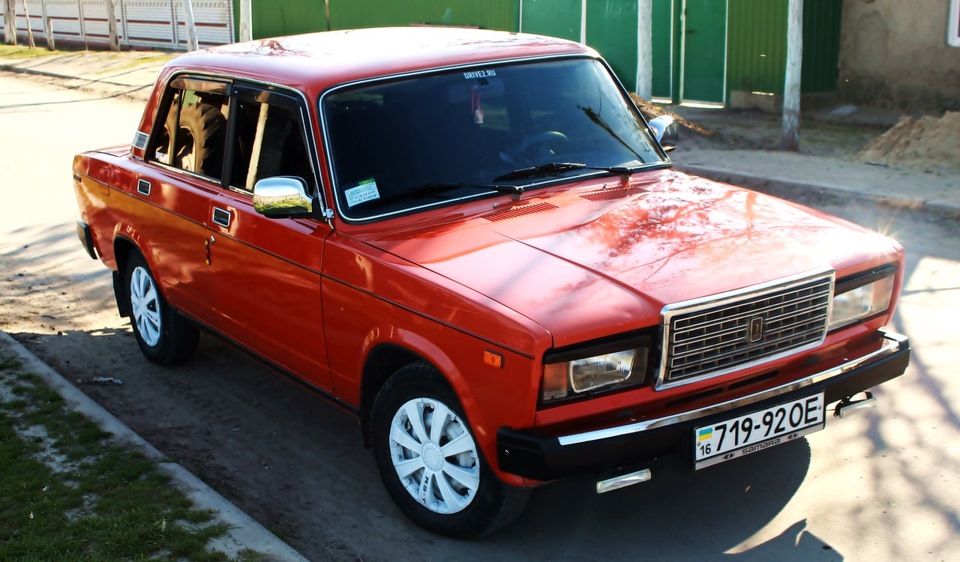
(112, 26)
(790, 138)
(192, 43)
(26, 15)
(246, 23)
(48, 26)
(645, 49)
(583, 22)
(9, 22)
(83, 21)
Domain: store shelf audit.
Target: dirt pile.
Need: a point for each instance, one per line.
(929, 144)
(651, 110)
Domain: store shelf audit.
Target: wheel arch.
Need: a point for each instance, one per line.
(382, 362)
(386, 358)
(123, 247)
(402, 347)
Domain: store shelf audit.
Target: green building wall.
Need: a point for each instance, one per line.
(756, 32)
(757, 45)
(288, 17)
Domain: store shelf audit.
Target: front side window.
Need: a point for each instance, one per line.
(269, 139)
(414, 143)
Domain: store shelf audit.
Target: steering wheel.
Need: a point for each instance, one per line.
(543, 146)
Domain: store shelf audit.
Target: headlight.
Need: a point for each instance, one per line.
(565, 379)
(860, 303)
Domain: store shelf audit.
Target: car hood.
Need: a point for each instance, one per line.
(602, 258)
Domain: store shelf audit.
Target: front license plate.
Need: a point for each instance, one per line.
(757, 431)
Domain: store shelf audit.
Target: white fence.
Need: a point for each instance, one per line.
(158, 24)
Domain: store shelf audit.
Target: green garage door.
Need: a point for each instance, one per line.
(662, 39)
(612, 31)
(704, 50)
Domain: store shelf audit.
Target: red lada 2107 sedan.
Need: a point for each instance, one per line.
(475, 242)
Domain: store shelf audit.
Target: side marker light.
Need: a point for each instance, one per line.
(495, 360)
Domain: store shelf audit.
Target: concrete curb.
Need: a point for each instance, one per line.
(807, 193)
(244, 533)
(22, 70)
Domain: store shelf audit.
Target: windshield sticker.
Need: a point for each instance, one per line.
(363, 192)
(479, 74)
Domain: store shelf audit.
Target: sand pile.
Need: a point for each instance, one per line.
(651, 110)
(928, 144)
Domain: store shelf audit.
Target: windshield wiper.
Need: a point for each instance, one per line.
(436, 188)
(554, 167)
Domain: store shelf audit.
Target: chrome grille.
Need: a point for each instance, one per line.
(715, 336)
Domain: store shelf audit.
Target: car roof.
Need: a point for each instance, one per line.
(314, 62)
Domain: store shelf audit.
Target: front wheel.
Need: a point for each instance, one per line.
(430, 462)
(164, 336)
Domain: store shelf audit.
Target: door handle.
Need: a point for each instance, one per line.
(143, 187)
(222, 217)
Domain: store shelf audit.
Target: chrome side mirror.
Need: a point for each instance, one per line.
(281, 197)
(666, 131)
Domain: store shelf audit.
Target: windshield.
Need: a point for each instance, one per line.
(414, 143)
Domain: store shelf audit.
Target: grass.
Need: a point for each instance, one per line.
(68, 492)
(25, 52)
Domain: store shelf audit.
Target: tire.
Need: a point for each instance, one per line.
(164, 336)
(200, 140)
(436, 474)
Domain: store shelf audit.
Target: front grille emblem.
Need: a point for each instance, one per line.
(755, 330)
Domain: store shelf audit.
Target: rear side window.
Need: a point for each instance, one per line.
(190, 133)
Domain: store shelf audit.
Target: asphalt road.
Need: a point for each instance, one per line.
(877, 487)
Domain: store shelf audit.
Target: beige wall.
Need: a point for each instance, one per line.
(894, 53)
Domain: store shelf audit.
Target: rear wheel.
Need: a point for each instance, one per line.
(430, 462)
(164, 336)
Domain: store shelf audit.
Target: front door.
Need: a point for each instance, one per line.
(268, 270)
(704, 51)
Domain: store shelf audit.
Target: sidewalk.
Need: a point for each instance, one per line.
(808, 179)
(802, 177)
(115, 73)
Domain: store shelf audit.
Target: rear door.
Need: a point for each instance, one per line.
(180, 176)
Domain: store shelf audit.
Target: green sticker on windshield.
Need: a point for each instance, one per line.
(362, 192)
